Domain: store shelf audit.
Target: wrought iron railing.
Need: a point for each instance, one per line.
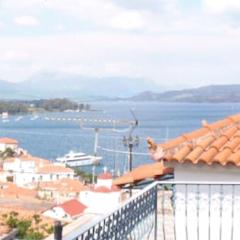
(132, 220)
(171, 210)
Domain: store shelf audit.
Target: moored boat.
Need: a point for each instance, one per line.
(76, 159)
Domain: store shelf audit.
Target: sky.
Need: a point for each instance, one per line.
(170, 43)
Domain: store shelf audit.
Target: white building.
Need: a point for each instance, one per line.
(8, 143)
(205, 158)
(28, 170)
(103, 196)
(61, 190)
(67, 211)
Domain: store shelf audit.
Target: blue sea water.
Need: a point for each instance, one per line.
(161, 121)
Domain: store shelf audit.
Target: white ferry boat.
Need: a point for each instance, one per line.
(4, 115)
(76, 159)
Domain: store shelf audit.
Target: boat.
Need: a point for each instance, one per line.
(34, 117)
(76, 159)
(4, 115)
(18, 118)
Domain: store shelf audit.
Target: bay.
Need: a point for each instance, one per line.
(161, 121)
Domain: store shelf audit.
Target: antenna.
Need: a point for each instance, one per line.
(134, 123)
(131, 142)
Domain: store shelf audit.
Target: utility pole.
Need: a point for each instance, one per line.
(131, 142)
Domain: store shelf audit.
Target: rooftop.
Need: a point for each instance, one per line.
(218, 142)
(73, 207)
(51, 168)
(105, 176)
(63, 185)
(27, 157)
(8, 140)
(11, 190)
(146, 171)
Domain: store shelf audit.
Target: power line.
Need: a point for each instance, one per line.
(124, 152)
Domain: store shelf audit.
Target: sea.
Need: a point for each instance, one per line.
(51, 135)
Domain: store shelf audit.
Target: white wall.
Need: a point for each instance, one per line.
(104, 182)
(202, 172)
(57, 213)
(202, 210)
(4, 146)
(25, 178)
(98, 202)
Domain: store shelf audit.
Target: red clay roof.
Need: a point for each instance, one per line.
(105, 176)
(50, 168)
(73, 207)
(218, 142)
(65, 185)
(142, 172)
(8, 140)
(102, 189)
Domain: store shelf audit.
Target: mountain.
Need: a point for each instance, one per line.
(78, 86)
(213, 93)
(8, 89)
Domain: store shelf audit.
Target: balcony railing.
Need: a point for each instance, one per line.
(171, 210)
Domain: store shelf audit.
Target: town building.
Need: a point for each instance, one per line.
(6, 143)
(67, 211)
(12, 191)
(208, 159)
(200, 201)
(103, 196)
(61, 190)
(28, 171)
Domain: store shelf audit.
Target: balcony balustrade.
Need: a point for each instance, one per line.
(170, 210)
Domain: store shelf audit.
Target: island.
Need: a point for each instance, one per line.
(42, 105)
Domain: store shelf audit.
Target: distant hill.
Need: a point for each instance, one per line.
(213, 93)
(59, 85)
(78, 86)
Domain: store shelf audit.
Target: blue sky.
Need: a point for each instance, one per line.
(171, 43)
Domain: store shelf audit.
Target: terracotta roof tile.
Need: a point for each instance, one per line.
(230, 132)
(205, 142)
(173, 143)
(102, 189)
(235, 142)
(235, 158)
(65, 185)
(8, 140)
(222, 156)
(182, 153)
(218, 142)
(73, 207)
(194, 155)
(196, 134)
(235, 118)
(50, 168)
(143, 172)
(105, 176)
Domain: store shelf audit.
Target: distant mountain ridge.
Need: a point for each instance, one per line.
(78, 87)
(212, 93)
(74, 86)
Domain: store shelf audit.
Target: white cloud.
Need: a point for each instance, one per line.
(169, 59)
(1, 25)
(128, 21)
(28, 21)
(102, 13)
(221, 6)
(15, 55)
(134, 38)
